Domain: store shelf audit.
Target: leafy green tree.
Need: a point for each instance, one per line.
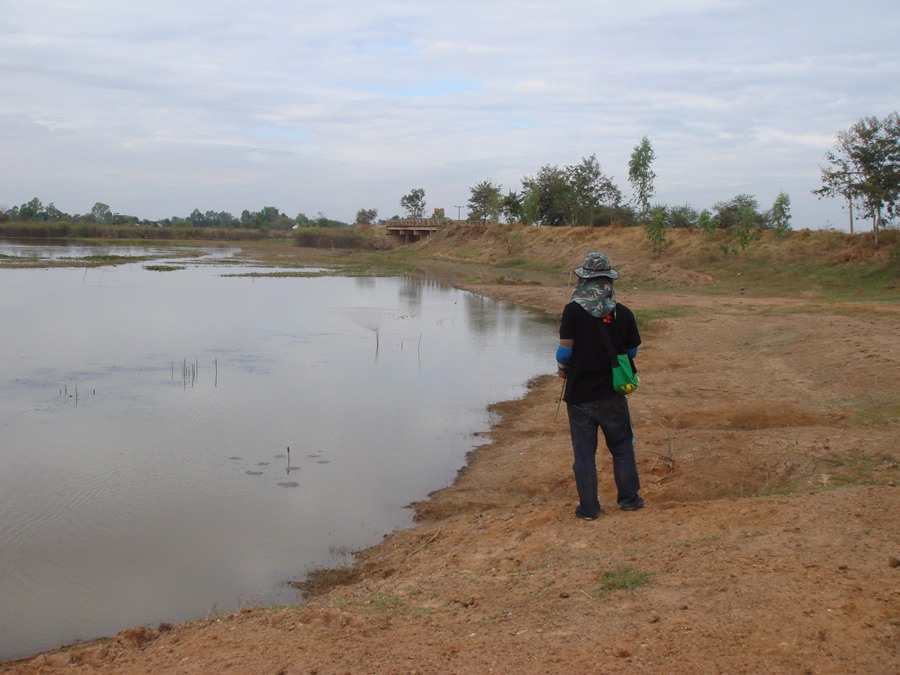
(553, 196)
(682, 216)
(740, 209)
(641, 176)
(55, 214)
(101, 213)
(655, 229)
(706, 223)
(32, 210)
(225, 219)
(511, 207)
(531, 207)
(780, 214)
(485, 202)
(591, 189)
(366, 216)
(198, 219)
(865, 169)
(414, 203)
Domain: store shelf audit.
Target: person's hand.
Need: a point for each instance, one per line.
(562, 373)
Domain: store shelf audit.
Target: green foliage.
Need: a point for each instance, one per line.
(213, 219)
(549, 196)
(655, 229)
(591, 190)
(741, 217)
(865, 169)
(622, 579)
(742, 209)
(87, 230)
(641, 176)
(579, 195)
(485, 202)
(101, 213)
(706, 223)
(858, 469)
(366, 216)
(511, 207)
(780, 215)
(531, 207)
(414, 203)
(684, 217)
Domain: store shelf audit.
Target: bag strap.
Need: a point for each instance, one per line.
(607, 344)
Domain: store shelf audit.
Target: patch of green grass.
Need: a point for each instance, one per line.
(859, 469)
(622, 579)
(163, 268)
(870, 410)
(322, 580)
(648, 320)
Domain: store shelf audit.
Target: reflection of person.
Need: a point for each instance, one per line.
(583, 360)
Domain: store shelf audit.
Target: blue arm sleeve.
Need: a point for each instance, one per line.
(563, 356)
(632, 352)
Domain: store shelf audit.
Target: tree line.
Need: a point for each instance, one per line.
(863, 168)
(267, 218)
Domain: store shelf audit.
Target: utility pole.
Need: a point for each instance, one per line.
(458, 207)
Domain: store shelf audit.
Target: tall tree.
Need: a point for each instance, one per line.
(366, 216)
(485, 202)
(780, 214)
(32, 210)
(591, 189)
(414, 203)
(549, 196)
(101, 213)
(511, 207)
(641, 175)
(865, 169)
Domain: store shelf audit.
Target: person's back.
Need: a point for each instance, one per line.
(584, 361)
(589, 375)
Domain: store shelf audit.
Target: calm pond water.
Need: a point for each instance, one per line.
(145, 421)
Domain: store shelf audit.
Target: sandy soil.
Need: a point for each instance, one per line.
(769, 542)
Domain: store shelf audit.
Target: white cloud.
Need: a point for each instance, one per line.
(157, 108)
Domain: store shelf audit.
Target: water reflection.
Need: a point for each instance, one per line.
(63, 250)
(230, 433)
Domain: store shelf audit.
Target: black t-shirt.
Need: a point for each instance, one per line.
(590, 373)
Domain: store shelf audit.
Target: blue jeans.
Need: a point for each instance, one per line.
(611, 415)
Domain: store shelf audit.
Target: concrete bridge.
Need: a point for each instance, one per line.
(411, 230)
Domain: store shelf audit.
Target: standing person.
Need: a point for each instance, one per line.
(583, 360)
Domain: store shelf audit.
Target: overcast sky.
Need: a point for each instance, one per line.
(160, 107)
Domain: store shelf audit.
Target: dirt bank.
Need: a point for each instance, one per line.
(769, 543)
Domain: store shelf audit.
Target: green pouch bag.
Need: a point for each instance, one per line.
(625, 380)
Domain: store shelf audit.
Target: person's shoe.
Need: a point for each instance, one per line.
(639, 504)
(584, 516)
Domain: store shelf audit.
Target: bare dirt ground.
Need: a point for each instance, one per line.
(767, 444)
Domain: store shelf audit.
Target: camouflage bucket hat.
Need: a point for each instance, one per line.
(596, 265)
(594, 290)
